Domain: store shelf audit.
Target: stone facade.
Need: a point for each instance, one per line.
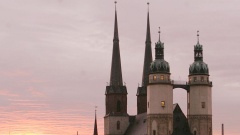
(116, 104)
(141, 103)
(161, 124)
(200, 105)
(200, 124)
(115, 125)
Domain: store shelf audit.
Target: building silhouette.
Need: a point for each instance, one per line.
(156, 113)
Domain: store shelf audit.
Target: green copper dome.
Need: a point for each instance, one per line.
(159, 66)
(198, 67)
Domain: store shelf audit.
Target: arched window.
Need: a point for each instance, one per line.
(195, 132)
(118, 106)
(154, 132)
(118, 125)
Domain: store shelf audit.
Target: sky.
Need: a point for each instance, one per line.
(55, 58)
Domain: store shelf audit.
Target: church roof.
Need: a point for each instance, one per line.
(180, 122)
(138, 123)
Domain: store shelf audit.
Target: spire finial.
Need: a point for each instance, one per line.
(95, 109)
(115, 5)
(159, 33)
(95, 123)
(198, 36)
(148, 6)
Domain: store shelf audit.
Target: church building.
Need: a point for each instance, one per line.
(156, 113)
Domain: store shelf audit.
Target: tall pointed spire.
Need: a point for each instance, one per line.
(159, 32)
(115, 38)
(148, 34)
(116, 70)
(142, 91)
(116, 92)
(148, 53)
(95, 124)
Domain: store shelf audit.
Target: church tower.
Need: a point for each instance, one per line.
(200, 96)
(142, 91)
(159, 95)
(116, 119)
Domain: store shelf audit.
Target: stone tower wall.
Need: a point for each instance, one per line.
(200, 109)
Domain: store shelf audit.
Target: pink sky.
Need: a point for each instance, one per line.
(55, 58)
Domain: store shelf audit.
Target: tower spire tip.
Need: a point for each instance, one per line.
(115, 5)
(148, 6)
(198, 36)
(159, 33)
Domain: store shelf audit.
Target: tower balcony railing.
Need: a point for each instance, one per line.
(197, 82)
(152, 81)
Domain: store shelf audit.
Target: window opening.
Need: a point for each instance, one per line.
(154, 77)
(163, 103)
(118, 125)
(203, 104)
(195, 79)
(154, 132)
(118, 106)
(162, 77)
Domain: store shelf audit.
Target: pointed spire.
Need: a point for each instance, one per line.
(159, 48)
(198, 36)
(116, 70)
(148, 53)
(159, 32)
(198, 50)
(115, 38)
(95, 124)
(148, 35)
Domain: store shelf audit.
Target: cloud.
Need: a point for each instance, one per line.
(7, 93)
(233, 84)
